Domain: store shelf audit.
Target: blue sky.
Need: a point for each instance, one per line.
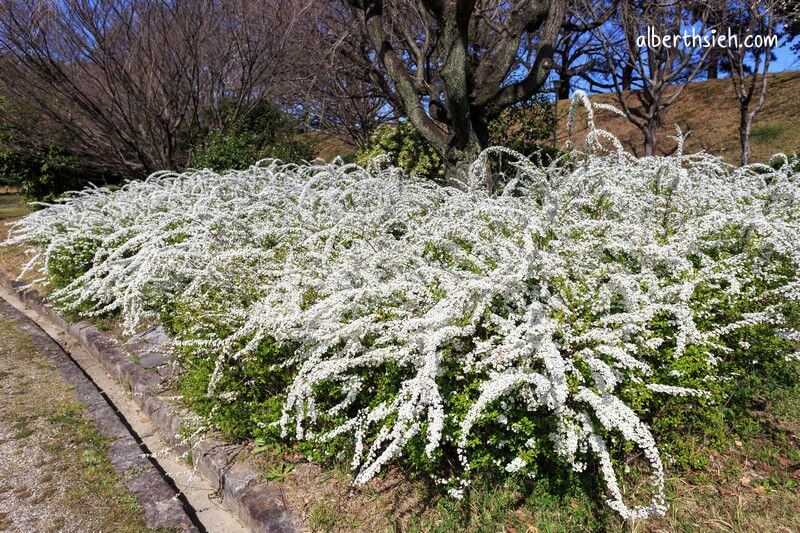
(787, 59)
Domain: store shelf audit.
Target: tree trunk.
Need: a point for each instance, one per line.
(649, 140)
(465, 147)
(563, 88)
(457, 166)
(627, 77)
(713, 67)
(744, 135)
(459, 159)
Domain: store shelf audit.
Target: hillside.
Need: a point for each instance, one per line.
(710, 111)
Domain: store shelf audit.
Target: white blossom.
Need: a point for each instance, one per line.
(545, 293)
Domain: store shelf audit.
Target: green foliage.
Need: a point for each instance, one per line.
(566, 503)
(43, 170)
(223, 151)
(40, 174)
(265, 132)
(68, 263)
(526, 128)
(278, 472)
(407, 150)
(254, 395)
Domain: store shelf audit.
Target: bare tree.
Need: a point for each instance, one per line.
(579, 54)
(345, 96)
(453, 65)
(128, 78)
(576, 56)
(749, 65)
(347, 108)
(657, 75)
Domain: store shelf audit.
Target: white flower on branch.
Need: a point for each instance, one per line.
(572, 282)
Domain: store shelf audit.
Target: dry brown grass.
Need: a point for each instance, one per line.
(324, 498)
(710, 111)
(328, 147)
(753, 486)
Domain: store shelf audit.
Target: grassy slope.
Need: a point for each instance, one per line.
(329, 146)
(710, 111)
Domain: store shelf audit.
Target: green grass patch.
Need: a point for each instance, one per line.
(766, 133)
(13, 206)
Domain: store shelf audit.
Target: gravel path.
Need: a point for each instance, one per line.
(56, 471)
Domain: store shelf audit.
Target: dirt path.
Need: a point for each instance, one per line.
(55, 473)
(197, 495)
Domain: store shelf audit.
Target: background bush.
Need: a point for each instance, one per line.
(41, 175)
(37, 164)
(31, 157)
(264, 132)
(526, 128)
(407, 150)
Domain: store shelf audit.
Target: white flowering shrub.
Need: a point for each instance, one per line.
(462, 329)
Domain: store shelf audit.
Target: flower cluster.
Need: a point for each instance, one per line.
(430, 315)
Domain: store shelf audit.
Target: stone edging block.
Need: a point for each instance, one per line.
(256, 502)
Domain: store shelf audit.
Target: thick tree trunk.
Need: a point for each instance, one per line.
(465, 146)
(457, 124)
(459, 159)
(457, 167)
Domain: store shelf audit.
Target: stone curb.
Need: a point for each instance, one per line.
(257, 503)
(159, 501)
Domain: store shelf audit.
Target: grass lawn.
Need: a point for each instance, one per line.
(12, 206)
